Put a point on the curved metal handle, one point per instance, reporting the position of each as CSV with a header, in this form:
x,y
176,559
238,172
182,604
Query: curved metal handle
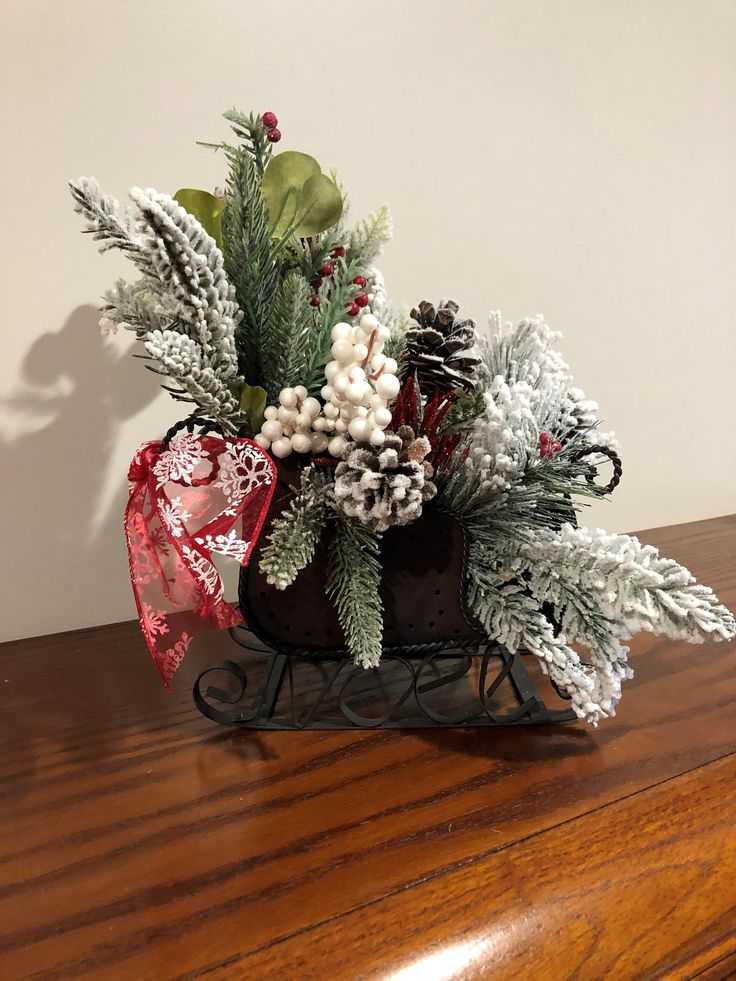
x,y
208,426
615,460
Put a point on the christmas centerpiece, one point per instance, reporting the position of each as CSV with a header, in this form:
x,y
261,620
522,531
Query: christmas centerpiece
x,y
402,481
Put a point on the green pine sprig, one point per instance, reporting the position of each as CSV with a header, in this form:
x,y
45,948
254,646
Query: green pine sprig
x,y
353,584
286,336
252,132
251,260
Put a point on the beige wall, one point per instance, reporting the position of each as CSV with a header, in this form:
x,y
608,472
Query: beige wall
x,y
574,157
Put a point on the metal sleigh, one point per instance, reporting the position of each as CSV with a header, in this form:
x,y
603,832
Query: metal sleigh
x,y
438,667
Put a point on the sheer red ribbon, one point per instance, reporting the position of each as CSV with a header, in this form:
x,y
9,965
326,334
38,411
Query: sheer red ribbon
x,y
200,495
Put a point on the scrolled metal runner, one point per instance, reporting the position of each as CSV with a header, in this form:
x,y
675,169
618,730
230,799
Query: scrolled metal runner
x,y
282,701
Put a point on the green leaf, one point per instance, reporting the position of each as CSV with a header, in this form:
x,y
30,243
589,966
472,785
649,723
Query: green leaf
x,y
253,404
320,205
298,196
205,207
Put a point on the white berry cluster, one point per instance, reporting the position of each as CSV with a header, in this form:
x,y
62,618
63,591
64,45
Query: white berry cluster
x,y
361,381
289,426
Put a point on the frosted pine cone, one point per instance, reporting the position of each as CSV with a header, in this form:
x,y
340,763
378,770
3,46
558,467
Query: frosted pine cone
x,y
386,485
438,348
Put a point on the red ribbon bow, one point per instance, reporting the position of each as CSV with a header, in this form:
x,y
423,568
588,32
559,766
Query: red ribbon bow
x,y
201,494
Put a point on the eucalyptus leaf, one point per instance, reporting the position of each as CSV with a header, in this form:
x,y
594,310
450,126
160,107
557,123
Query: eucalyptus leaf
x,y
299,198
206,208
320,205
253,405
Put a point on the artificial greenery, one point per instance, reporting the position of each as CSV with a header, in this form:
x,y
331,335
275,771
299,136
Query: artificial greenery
x,y
253,135
260,246
370,234
294,535
251,260
299,198
285,344
353,584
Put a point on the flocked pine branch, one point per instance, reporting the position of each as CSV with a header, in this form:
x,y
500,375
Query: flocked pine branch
x,y
575,610
353,582
369,235
629,582
511,616
251,260
602,588
138,307
190,267
528,383
295,533
102,216
183,309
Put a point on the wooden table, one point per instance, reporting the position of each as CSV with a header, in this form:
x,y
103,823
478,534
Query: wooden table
x,y
141,841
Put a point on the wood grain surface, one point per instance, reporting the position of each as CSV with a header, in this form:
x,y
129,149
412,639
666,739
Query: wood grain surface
x,y
141,841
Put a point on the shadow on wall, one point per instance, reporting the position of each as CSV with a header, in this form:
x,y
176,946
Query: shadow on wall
x,y
65,561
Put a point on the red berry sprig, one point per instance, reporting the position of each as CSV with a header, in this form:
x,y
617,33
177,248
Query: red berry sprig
x,y
326,269
361,301
270,121
316,283
353,309
315,301
360,281
338,252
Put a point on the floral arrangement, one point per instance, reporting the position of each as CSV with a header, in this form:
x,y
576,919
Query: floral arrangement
x,y
262,307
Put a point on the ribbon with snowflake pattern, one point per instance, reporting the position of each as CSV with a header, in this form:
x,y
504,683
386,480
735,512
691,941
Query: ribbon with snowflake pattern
x,y
199,495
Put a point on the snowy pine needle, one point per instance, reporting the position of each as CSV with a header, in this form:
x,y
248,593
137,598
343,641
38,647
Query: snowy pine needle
x,y
294,535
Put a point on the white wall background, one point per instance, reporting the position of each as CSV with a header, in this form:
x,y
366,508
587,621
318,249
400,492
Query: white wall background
x,y
570,157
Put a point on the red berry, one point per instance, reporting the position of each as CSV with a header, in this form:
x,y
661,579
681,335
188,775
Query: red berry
x,y
326,270
269,120
353,309
544,438
362,300
556,447
338,252
315,301
360,280
315,283
273,135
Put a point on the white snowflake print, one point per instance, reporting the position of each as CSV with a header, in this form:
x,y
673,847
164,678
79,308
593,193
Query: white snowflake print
x,y
205,572
173,516
228,544
170,659
179,460
153,622
242,468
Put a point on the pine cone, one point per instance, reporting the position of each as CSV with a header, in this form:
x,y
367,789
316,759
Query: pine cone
x,y
385,485
438,348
